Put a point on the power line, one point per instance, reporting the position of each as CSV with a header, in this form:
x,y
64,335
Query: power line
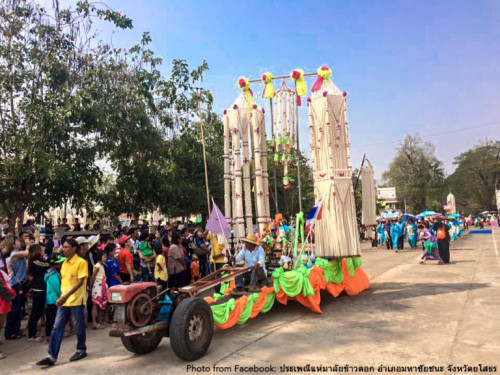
x,y
428,135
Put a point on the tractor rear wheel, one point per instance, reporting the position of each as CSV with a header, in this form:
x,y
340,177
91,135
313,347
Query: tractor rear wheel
x,y
191,329
143,343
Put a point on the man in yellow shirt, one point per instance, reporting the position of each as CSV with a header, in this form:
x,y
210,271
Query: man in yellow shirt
x,y
74,274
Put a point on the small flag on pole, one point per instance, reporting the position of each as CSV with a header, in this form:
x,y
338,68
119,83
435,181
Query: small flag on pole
x,y
313,215
217,223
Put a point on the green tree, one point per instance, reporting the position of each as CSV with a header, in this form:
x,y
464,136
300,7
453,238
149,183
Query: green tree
x,y
138,137
185,171
288,199
476,176
417,174
48,131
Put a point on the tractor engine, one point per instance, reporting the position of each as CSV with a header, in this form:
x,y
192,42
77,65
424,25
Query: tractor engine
x,y
133,305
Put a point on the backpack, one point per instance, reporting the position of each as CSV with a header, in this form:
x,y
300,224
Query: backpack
x,y
441,233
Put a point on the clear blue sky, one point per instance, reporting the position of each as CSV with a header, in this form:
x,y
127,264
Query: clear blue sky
x,y
408,66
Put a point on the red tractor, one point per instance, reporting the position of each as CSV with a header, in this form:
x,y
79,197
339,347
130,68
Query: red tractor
x,y
145,315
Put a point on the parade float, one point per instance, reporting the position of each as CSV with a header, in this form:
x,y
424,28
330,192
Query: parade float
x,y
298,270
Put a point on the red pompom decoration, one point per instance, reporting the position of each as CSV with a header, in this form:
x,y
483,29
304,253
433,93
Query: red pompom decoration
x,y
324,68
308,99
235,106
242,83
325,93
295,74
264,77
225,111
263,110
344,93
255,106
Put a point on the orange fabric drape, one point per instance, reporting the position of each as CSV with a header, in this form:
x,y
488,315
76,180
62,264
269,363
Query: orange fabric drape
x,y
209,300
355,285
259,304
312,302
234,315
352,286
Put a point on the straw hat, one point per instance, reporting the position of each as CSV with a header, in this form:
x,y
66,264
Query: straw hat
x,y
250,238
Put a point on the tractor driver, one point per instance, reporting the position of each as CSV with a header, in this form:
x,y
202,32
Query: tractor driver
x,y
253,255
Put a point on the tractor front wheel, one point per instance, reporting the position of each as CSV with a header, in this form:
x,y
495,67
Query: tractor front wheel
x,y
143,343
191,329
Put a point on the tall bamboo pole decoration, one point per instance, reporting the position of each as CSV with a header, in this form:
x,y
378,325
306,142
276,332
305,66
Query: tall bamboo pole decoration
x,y
227,172
274,166
297,150
204,152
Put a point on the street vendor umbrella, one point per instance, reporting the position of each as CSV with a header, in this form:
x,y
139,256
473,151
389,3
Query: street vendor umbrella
x,y
409,216
427,213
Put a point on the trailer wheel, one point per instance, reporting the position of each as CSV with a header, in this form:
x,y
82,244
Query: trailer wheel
x,y
191,329
143,343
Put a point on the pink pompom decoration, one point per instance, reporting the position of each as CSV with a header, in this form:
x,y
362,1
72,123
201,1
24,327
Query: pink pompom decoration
x,y
235,106
263,110
308,99
255,106
324,68
225,111
325,93
295,74
344,93
242,83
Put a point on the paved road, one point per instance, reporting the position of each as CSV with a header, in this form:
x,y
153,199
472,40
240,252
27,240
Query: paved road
x,y
412,315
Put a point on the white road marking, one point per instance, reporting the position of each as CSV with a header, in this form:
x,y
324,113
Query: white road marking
x,y
495,245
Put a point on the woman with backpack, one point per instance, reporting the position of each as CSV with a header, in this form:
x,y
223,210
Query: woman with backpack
x,y
443,240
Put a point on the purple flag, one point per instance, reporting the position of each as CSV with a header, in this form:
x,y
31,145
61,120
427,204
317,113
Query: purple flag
x,y
217,222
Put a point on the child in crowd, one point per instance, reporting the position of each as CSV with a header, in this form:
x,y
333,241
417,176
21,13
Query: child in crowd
x,y
147,253
111,266
161,275
52,280
195,274
99,296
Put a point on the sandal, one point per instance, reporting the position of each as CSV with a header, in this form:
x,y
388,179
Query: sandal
x,y
99,326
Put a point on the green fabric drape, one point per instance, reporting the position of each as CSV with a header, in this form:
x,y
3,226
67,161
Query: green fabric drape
x,y
221,312
332,271
293,282
357,262
269,303
247,311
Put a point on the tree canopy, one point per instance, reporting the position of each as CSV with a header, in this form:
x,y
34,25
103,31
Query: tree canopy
x,y
48,131
417,174
476,176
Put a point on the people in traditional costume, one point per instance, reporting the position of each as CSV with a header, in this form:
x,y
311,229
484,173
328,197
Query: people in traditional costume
x,y
387,232
412,234
429,241
380,234
395,234
402,232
